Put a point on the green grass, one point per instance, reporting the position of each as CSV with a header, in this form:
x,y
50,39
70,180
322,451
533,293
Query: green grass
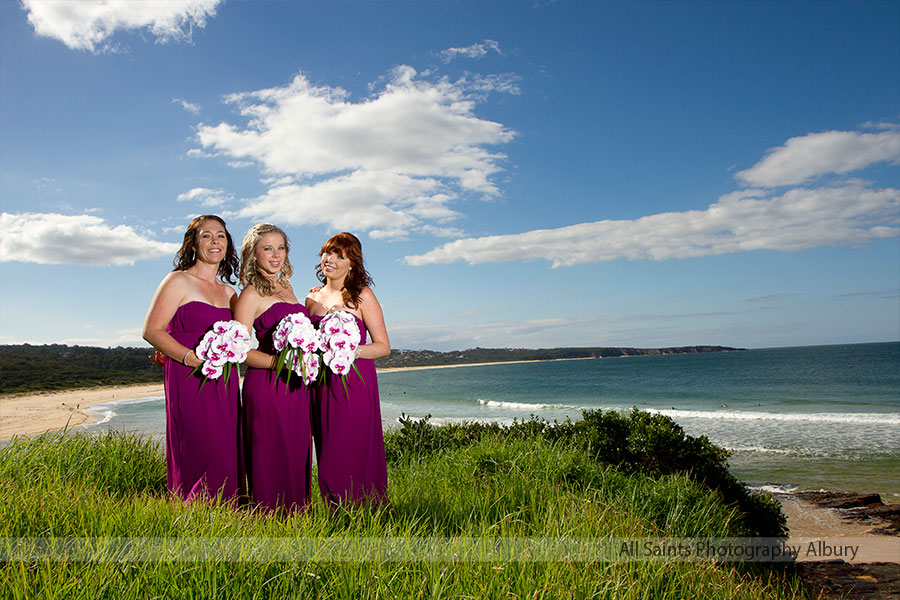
x,y
493,486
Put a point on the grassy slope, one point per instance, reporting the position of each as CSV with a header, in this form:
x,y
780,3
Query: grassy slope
x,y
491,485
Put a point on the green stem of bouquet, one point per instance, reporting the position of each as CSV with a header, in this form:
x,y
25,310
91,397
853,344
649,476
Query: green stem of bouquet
x,y
226,371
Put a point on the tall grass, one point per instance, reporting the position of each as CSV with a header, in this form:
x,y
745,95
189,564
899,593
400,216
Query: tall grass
x,y
113,486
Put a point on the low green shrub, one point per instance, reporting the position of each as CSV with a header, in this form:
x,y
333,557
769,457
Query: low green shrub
x,y
641,442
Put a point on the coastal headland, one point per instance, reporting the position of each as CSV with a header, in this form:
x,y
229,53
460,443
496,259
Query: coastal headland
x,y
860,526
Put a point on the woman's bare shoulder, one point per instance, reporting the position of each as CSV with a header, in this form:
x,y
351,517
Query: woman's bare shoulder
x,y
176,281
367,294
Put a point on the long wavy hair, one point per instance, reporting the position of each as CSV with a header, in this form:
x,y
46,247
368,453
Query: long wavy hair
x,y
186,257
348,246
250,272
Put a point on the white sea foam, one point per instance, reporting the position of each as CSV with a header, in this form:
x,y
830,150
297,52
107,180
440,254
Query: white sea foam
x,y
892,419
523,405
774,489
105,412
458,420
141,400
760,450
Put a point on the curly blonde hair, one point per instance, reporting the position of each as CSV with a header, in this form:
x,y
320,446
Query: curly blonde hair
x,y
250,273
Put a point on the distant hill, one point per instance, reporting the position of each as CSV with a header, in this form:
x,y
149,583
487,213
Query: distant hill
x,y
26,368
424,358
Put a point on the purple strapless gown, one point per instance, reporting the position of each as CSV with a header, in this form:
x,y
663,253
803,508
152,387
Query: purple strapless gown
x,y
348,435
277,427
202,432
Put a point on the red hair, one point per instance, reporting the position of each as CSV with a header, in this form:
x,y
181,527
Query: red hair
x,y
347,245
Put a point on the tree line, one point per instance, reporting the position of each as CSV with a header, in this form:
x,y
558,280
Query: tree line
x,y
28,368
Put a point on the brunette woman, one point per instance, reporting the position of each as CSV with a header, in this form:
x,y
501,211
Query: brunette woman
x,y
202,434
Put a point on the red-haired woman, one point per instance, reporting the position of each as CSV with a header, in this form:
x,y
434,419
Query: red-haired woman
x,y
347,421
202,432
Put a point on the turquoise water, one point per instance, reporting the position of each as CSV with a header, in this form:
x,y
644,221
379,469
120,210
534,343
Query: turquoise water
x,y
809,418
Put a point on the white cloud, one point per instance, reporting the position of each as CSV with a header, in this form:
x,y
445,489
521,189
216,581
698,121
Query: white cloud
x,y
128,338
188,106
359,200
205,197
738,222
389,164
48,238
806,157
478,50
87,24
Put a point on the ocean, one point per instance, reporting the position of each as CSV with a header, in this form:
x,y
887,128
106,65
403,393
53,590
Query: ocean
x,y
819,417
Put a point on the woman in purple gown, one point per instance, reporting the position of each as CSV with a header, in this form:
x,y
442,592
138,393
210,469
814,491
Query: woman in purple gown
x,y
277,426
202,433
347,421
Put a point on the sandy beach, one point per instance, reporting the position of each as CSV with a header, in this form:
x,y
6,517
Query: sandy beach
x,y
33,414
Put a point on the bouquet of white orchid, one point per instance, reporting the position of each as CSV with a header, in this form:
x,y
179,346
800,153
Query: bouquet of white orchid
x,y
298,342
340,341
226,344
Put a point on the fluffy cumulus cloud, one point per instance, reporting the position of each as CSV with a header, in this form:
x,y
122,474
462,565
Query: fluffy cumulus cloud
x,y
739,222
846,212
804,158
49,238
88,24
388,164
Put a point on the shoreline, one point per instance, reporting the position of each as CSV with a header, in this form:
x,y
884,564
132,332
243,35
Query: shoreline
x,y
36,413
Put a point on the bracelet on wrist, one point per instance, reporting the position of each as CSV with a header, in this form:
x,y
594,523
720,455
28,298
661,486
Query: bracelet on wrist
x,y
184,360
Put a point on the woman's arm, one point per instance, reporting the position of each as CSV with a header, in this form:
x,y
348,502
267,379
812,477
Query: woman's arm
x,y
171,291
246,309
372,316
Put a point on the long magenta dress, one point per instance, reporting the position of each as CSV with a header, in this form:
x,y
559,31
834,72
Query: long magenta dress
x,y
348,435
277,426
202,432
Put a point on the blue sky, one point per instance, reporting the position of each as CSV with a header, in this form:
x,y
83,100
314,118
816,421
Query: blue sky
x,y
521,174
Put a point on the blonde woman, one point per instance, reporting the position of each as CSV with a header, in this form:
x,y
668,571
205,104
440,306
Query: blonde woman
x,y
277,424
